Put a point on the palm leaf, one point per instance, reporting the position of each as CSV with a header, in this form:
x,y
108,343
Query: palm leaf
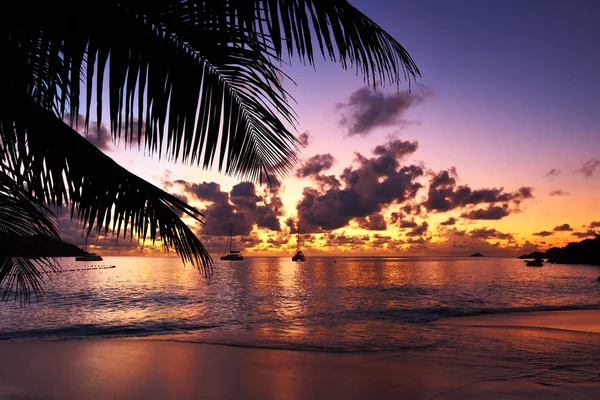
x,y
201,75
20,276
104,196
21,216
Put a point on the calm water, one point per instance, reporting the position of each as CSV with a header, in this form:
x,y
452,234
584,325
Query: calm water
x,y
354,304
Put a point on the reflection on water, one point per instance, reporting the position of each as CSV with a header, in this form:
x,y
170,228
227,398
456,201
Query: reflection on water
x,y
342,304
346,304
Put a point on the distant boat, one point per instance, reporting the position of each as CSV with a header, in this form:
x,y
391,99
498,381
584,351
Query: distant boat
x,y
89,257
299,256
233,255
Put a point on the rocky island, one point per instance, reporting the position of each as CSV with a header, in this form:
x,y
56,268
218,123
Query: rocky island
x,y
585,252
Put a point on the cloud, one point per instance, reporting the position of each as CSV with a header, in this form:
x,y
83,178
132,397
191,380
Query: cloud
x,y
315,165
455,242
405,223
553,173
485,233
342,239
589,167
589,233
563,228
367,109
374,222
364,189
243,207
418,230
559,193
445,195
305,138
449,221
595,224
492,212
543,233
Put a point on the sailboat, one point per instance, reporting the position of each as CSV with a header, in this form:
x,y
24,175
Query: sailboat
x,y
299,256
233,255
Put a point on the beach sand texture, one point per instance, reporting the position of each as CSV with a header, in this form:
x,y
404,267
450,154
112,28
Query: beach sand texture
x,y
153,369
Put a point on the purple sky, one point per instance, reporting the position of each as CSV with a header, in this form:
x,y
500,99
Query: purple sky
x,y
509,92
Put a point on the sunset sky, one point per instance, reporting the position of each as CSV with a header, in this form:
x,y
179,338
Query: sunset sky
x,y
496,149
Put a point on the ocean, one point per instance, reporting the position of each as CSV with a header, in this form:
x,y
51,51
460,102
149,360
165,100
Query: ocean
x,y
344,304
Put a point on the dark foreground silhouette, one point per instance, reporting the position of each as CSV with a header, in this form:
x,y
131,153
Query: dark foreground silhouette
x,y
37,246
585,252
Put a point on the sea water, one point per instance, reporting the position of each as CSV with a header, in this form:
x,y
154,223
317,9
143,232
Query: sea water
x,y
344,304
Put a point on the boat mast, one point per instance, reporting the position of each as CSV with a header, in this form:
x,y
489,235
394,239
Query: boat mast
x,y
298,238
230,238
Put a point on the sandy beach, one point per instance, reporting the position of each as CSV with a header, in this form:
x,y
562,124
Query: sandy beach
x,y
155,369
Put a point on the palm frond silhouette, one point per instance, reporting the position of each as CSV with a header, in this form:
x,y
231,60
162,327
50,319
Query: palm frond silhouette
x,y
199,82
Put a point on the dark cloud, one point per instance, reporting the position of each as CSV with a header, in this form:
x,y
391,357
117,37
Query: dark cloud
x,y
445,195
267,213
364,190
315,165
242,207
485,233
563,228
305,138
374,222
543,233
327,182
449,221
553,173
367,109
405,224
559,193
589,167
418,230
334,239
243,195
490,213
589,233
378,240
595,224
210,191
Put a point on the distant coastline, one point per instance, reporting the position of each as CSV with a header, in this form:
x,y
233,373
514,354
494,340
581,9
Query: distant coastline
x,y
585,252
37,246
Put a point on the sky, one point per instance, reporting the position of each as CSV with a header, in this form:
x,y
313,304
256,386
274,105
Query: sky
x,y
496,149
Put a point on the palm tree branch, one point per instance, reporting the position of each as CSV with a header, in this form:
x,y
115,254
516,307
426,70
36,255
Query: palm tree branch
x,y
104,196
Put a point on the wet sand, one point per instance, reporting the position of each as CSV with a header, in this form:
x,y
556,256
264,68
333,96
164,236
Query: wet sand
x,y
150,369
575,321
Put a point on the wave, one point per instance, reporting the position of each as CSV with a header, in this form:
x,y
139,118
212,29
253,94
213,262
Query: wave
x,y
425,315
410,320
95,330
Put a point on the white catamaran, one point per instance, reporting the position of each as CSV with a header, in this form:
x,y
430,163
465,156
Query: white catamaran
x,y
233,255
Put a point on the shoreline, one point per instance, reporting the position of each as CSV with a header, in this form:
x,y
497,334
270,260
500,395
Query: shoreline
x,y
132,370
580,321
143,368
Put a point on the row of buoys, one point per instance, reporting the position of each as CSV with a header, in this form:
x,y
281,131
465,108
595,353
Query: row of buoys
x,y
82,269
74,270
